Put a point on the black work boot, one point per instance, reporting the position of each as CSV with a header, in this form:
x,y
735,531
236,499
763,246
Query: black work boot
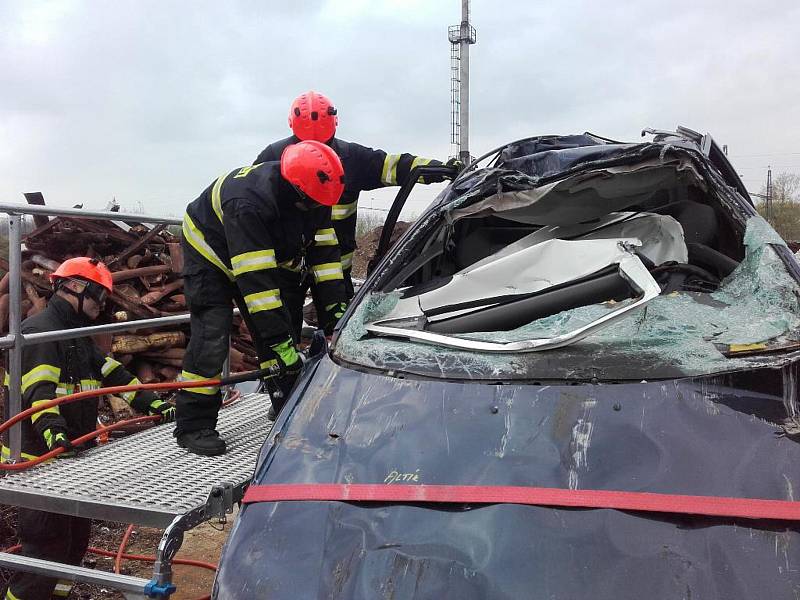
x,y
205,442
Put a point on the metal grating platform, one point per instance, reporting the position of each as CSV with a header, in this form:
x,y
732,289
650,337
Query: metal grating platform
x,y
145,478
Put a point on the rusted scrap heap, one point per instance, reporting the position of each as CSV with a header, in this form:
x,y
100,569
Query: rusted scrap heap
x,y
145,263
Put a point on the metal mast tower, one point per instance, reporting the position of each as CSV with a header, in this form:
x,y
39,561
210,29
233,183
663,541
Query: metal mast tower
x,y
460,37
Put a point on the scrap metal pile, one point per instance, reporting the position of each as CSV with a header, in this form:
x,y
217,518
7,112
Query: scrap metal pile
x,y
146,265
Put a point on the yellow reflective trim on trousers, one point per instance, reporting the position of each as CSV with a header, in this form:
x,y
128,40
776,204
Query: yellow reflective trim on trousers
x,y
5,454
6,379
216,198
53,410
389,171
327,272
206,391
108,366
195,237
325,237
10,596
40,373
340,212
266,300
257,260
347,261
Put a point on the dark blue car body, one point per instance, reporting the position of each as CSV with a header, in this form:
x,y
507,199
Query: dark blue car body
x,y
586,416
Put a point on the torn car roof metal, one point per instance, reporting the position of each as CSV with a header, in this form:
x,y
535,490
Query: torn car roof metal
x,y
593,256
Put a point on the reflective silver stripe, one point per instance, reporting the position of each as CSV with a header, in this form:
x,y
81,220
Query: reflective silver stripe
x,y
216,199
389,173
327,272
207,391
325,237
109,366
253,261
266,300
340,212
347,261
130,396
41,373
195,237
90,384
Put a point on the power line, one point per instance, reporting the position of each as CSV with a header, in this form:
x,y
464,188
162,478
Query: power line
x,y
765,154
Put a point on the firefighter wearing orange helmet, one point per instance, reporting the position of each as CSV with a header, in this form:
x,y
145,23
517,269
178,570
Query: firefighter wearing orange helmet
x,y
247,239
312,116
57,368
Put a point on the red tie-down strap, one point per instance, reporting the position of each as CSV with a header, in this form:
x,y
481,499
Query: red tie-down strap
x,y
713,506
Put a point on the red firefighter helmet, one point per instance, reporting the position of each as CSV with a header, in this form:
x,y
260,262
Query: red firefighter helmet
x,y
84,267
313,117
315,170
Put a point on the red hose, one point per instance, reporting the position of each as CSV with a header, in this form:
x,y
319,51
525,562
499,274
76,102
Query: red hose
x,y
120,555
121,551
119,389
84,438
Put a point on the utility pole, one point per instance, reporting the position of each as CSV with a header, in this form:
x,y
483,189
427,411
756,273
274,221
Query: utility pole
x,y
769,195
460,37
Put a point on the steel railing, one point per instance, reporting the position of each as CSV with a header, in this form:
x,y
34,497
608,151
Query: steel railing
x,y
15,341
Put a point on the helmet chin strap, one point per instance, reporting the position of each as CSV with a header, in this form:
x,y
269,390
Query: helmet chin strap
x,y
79,295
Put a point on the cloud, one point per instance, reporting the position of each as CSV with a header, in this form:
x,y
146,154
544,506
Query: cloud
x,y
149,101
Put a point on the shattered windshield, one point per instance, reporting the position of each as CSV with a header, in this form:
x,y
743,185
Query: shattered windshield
x,y
723,299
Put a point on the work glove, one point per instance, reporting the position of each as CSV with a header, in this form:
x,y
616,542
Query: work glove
x,y
453,162
56,437
164,409
291,365
333,312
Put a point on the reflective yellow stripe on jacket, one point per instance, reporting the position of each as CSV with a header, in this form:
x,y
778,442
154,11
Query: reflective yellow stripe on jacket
x,y
389,172
195,237
40,373
109,366
216,197
340,212
257,260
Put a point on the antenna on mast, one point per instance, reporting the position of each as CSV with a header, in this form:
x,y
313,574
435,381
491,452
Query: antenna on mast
x,y
461,37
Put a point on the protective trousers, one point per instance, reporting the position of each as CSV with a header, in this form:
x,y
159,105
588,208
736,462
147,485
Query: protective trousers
x,y
48,536
210,295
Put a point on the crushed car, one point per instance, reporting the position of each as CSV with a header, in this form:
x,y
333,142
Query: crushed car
x,y
572,314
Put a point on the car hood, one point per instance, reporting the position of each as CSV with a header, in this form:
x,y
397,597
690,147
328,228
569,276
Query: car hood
x,y
698,436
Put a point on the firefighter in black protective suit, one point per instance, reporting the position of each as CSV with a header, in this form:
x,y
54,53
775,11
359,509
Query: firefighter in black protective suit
x,y
50,370
312,116
250,238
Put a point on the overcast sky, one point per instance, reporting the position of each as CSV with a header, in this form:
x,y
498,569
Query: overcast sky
x,y
148,101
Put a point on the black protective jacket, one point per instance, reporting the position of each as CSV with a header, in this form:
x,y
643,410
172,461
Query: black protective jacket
x,y
364,169
53,369
247,224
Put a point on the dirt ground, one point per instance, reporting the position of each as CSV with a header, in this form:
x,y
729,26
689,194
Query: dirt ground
x,y
368,245
203,543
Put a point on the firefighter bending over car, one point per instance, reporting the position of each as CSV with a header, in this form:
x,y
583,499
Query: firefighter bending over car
x,y
58,368
250,238
312,116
